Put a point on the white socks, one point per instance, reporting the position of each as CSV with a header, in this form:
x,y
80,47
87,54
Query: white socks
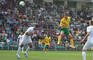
x,y
19,49
84,55
28,49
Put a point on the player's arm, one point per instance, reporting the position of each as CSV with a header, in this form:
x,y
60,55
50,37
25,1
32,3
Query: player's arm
x,y
18,39
26,33
49,39
45,39
85,37
69,18
62,23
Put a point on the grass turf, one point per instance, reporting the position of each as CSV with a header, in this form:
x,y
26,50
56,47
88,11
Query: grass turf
x,y
50,55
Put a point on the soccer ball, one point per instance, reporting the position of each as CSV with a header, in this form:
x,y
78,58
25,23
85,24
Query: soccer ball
x,y
22,3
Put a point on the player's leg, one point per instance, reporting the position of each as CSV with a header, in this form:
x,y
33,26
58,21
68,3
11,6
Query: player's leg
x,y
44,49
47,47
71,40
84,55
22,49
28,49
19,50
84,51
86,46
60,37
29,42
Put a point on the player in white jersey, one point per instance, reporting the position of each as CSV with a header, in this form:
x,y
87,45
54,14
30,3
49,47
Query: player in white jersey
x,y
89,42
26,40
19,40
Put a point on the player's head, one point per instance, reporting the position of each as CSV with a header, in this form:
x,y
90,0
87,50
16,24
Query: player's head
x,y
65,14
21,33
91,22
36,26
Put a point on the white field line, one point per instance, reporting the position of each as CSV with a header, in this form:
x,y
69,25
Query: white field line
x,y
76,54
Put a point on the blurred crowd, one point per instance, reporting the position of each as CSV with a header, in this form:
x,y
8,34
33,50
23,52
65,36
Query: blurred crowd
x,y
15,19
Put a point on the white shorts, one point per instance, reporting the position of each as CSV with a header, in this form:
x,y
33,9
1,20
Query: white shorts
x,y
20,41
25,40
87,45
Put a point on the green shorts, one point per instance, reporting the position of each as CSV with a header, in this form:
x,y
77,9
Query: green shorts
x,y
46,46
66,31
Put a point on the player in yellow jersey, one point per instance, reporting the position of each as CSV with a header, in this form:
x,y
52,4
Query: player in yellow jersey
x,y
47,43
64,25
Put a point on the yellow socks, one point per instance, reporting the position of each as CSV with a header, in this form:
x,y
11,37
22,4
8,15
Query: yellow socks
x,y
59,38
72,43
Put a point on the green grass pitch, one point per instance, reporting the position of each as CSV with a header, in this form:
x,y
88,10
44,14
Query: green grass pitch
x,y
50,55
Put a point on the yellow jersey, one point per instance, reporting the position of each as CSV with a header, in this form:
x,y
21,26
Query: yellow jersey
x,y
65,22
47,40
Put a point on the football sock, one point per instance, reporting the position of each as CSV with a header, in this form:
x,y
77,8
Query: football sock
x,y
59,38
84,55
72,43
19,50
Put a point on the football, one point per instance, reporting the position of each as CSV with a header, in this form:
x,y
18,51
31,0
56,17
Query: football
x,y
22,3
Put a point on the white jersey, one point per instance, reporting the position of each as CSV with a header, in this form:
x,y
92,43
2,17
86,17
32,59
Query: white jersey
x,y
27,38
90,29
89,42
20,38
30,30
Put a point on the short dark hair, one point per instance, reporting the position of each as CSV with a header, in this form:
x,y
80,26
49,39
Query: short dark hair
x,y
92,22
36,26
66,13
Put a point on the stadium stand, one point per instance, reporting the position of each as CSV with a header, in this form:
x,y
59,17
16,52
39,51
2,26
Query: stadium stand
x,y
15,19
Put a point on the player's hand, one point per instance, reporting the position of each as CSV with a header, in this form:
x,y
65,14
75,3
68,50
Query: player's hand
x,y
63,25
